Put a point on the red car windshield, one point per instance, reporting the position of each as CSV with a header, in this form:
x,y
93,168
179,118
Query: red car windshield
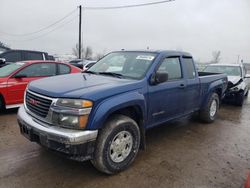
x,y
8,69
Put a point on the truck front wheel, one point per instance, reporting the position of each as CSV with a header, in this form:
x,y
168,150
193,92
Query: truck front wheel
x,y
117,145
209,113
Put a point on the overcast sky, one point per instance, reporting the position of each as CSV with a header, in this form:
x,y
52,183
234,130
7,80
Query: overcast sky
x,y
197,26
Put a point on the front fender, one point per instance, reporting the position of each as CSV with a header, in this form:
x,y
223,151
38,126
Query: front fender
x,y
242,86
114,103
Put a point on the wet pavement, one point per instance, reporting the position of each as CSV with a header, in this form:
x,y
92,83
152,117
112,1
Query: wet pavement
x,y
183,154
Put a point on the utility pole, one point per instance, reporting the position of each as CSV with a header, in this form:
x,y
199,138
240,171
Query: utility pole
x,y
80,32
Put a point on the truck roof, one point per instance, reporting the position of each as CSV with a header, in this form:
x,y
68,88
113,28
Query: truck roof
x,y
167,52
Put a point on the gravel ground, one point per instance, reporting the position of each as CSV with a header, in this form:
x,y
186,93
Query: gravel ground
x,y
180,154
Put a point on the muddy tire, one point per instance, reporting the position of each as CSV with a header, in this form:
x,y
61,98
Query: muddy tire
x,y
209,113
239,99
117,145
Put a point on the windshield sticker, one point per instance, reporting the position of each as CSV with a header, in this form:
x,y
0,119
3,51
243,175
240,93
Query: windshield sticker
x,y
145,57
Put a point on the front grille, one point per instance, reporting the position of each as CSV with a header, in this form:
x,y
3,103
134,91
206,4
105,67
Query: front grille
x,y
37,104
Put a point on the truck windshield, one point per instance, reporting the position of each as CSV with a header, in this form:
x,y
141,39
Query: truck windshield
x,y
228,70
124,64
8,69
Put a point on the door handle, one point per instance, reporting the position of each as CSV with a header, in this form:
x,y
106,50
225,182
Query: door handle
x,y
182,86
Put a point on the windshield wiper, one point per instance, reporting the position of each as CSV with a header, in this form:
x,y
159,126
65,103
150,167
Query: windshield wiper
x,y
112,74
90,72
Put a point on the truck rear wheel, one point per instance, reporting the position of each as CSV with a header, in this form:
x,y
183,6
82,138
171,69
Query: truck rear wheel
x,y
117,145
209,113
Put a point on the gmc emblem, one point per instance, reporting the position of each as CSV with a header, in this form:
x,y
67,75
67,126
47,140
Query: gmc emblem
x,y
33,102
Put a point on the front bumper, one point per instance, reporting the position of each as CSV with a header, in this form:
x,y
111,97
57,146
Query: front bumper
x,y
232,94
76,144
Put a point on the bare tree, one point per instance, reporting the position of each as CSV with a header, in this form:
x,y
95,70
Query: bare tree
x,y
86,53
216,57
75,50
99,56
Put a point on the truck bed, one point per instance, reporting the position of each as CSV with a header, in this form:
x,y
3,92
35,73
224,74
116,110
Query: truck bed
x,y
207,73
209,77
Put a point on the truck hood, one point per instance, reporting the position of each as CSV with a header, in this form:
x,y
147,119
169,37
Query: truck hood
x,y
234,79
83,85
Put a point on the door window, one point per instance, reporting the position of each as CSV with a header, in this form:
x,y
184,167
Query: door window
x,y
172,67
191,73
64,69
39,70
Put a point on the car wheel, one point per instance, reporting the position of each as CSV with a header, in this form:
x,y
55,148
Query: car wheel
x,y
117,145
209,113
239,99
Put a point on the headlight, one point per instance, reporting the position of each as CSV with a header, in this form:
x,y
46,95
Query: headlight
x,y
70,121
74,103
71,113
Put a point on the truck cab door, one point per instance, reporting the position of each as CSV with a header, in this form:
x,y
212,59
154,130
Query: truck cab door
x,y
192,90
165,100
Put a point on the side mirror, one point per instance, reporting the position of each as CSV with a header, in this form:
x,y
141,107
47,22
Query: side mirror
x,y
159,77
20,76
2,60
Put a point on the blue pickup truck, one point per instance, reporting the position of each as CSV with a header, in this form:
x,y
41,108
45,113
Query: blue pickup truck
x,y
102,114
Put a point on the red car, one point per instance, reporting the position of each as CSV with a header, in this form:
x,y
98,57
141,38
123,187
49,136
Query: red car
x,y
15,77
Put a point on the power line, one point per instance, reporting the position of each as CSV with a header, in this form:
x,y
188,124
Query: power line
x,y
58,27
70,13
42,29
128,6
44,34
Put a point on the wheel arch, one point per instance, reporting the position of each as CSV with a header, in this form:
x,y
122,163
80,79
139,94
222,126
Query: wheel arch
x,y
214,87
135,113
135,108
